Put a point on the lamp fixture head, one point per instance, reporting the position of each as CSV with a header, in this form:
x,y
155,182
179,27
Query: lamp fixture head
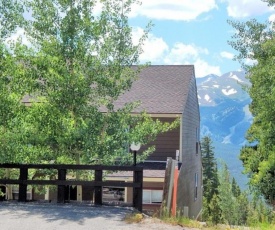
x,y
135,146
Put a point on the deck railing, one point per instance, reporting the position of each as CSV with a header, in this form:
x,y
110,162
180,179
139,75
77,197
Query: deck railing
x,y
61,181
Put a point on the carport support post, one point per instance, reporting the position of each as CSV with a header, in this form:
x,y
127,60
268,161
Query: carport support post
x,y
61,188
98,189
22,186
137,191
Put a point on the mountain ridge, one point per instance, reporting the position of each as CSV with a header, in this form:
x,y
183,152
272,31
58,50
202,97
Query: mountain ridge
x,y
224,106
225,117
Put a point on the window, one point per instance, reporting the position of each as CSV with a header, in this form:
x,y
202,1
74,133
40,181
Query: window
x,y
197,140
196,186
152,196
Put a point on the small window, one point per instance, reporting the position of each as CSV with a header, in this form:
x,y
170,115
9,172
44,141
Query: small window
x,y
196,186
197,140
152,196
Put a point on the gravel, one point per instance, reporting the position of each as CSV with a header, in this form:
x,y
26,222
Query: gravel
x,y
50,216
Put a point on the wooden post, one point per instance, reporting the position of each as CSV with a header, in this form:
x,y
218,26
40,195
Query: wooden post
x,y
47,194
61,188
166,182
22,186
137,192
78,187
98,189
175,189
9,195
171,184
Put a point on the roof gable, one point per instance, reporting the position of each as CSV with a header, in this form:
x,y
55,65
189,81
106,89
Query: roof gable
x,y
161,89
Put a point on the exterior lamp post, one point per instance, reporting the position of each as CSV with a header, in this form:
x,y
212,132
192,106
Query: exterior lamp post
x,y
135,147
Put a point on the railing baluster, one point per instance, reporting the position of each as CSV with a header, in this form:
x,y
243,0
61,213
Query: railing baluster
x,y
61,188
98,189
22,197
137,192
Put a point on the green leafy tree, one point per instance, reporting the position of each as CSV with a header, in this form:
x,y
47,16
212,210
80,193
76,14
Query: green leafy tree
x,y
10,17
255,41
78,63
11,108
259,212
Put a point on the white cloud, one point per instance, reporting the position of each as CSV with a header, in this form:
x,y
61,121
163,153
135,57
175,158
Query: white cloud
x,y
272,18
246,8
227,55
180,10
203,68
18,35
191,54
181,52
184,10
157,51
250,62
153,48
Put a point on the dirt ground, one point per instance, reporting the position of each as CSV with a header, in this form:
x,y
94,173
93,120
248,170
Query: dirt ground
x,y
50,216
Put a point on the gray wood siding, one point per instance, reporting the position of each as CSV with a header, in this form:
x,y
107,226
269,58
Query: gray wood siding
x,y
191,161
166,144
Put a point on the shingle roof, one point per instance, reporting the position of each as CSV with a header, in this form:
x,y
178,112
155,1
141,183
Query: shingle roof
x,y
161,89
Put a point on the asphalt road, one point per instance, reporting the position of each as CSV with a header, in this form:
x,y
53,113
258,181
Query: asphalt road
x,y
50,216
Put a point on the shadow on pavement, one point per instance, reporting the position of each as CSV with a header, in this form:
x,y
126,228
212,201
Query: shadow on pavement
x,y
76,212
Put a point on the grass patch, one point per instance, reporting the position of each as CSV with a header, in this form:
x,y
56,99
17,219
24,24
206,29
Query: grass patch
x,y
186,222
180,220
263,226
133,218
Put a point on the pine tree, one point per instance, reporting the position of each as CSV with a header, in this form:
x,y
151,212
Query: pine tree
x,y
215,210
211,210
228,202
242,210
235,188
210,172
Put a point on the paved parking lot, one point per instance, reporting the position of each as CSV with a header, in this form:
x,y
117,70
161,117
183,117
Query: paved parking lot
x,y
50,216
28,216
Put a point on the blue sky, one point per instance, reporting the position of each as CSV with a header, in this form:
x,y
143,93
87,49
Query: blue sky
x,y
194,31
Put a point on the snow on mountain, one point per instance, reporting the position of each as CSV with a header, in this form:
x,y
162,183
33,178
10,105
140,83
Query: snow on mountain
x,y
224,107
229,92
234,76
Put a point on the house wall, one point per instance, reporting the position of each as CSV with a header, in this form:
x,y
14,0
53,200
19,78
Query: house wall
x,y
191,160
147,208
146,185
153,207
166,144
